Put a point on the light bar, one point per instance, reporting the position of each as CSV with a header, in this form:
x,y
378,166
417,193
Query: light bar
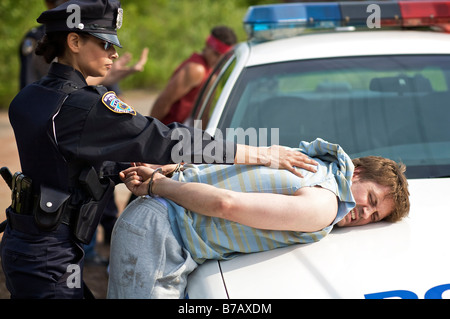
x,y
356,13
269,22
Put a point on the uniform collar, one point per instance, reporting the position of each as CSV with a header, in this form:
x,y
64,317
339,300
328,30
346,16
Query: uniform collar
x,y
68,73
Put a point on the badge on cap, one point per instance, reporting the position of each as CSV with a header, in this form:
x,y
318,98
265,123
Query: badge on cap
x,y
119,19
113,103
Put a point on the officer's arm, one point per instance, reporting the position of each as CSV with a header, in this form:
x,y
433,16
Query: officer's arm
x,y
104,134
101,134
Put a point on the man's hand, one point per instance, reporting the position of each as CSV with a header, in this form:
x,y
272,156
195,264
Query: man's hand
x,y
121,70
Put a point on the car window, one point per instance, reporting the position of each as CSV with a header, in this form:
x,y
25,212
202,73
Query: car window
x,y
392,106
210,93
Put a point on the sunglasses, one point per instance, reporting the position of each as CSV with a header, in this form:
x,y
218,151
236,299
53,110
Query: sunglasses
x,y
107,45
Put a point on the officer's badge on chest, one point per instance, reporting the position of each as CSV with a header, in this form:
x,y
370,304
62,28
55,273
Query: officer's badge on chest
x,y
116,105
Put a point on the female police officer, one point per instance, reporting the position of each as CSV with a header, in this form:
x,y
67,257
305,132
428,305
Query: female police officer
x,y
65,131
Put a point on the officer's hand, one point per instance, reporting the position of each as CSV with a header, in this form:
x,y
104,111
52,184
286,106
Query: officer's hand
x,y
274,156
282,158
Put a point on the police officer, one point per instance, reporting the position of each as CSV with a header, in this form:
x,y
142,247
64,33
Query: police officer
x,y
33,67
66,133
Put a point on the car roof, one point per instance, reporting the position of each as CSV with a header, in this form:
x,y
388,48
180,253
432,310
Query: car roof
x,y
350,43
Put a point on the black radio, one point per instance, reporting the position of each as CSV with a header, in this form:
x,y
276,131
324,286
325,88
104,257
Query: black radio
x,y
22,194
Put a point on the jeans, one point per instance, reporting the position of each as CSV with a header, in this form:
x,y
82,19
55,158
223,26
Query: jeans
x,y
146,260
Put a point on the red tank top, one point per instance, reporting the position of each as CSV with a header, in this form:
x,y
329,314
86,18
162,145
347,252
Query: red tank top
x,y
181,109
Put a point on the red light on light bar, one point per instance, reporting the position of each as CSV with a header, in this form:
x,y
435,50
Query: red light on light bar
x,y
445,28
421,13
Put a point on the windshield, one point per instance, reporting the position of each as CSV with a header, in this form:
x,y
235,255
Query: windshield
x,y
392,106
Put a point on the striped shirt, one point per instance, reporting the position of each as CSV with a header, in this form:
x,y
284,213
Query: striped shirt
x,y
215,238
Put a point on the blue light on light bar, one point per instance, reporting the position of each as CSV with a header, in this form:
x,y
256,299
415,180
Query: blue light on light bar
x,y
321,13
268,22
272,14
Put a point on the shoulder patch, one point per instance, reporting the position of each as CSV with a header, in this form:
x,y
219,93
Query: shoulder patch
x,y
116,105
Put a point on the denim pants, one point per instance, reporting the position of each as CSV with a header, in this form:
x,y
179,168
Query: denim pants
x,y
146,260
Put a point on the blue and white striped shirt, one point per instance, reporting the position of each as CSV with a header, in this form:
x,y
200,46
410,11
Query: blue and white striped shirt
x,y
215,238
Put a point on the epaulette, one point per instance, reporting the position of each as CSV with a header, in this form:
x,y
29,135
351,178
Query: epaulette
x,y
100,89
69,87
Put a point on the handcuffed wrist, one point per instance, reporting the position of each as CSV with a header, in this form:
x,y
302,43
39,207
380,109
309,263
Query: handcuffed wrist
x,y
150,183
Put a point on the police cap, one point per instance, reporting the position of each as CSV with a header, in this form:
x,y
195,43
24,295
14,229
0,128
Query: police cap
x,y
100,18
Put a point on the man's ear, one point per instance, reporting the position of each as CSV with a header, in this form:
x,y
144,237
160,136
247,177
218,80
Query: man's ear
x,y
356,173
74,42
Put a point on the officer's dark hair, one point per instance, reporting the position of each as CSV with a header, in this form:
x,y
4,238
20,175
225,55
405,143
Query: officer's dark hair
x,y
53,44
224,34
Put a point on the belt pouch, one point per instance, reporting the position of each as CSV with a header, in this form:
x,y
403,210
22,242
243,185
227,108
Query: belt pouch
x,y
50,208
90,214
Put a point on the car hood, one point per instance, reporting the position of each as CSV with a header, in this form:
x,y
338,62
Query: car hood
x,y
407,259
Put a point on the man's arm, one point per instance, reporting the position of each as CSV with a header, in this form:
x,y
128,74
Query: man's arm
x,y
310,209
190,76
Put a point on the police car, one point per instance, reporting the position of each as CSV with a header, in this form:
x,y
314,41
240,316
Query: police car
x,y
373,77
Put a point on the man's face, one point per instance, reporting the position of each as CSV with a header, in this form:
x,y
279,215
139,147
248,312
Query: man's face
x,y
372,203
212,57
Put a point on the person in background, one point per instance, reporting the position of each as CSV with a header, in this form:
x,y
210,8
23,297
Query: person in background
x,y
175,102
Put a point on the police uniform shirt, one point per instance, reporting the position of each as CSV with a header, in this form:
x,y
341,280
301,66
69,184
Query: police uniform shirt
x,y
94,125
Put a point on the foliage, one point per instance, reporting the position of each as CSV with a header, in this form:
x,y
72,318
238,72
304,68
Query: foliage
x,y
15,21
171,29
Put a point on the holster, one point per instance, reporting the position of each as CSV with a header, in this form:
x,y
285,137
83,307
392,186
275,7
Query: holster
x,y
90,213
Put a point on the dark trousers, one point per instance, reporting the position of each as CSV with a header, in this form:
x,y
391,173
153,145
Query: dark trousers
x,y
39,264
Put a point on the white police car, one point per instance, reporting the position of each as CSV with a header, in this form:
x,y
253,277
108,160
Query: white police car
x,y
373,77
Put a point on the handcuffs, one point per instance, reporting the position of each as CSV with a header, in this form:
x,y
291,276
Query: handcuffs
x,y
159,170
